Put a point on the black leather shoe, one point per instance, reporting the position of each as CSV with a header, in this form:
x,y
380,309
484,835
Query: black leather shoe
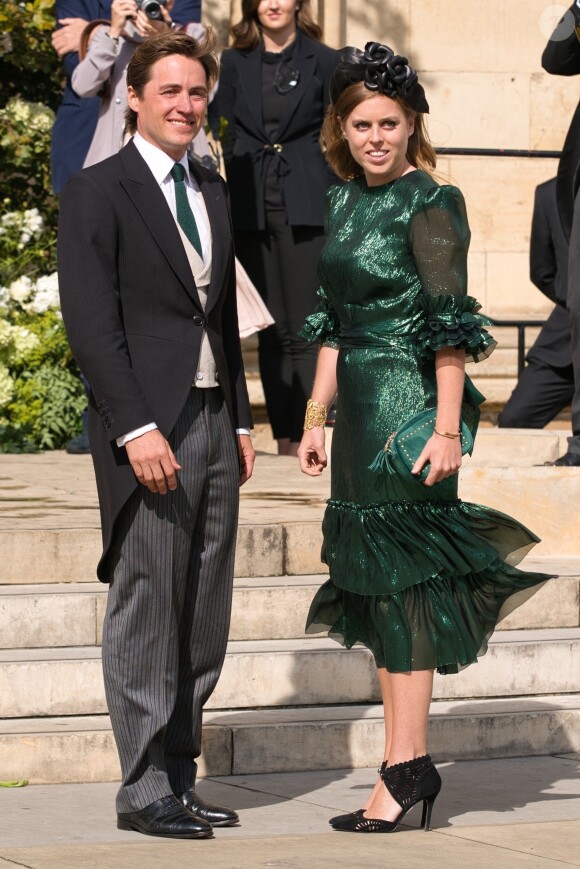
x,y
568,460
78,446
217,816
167,818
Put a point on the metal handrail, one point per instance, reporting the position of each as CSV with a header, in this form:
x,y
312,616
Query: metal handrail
x,y
496,152
521,326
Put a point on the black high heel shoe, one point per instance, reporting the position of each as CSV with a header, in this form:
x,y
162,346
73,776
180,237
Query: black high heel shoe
x,y
408,783
341,818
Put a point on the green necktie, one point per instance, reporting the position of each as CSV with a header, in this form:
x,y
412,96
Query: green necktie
x,y
185,216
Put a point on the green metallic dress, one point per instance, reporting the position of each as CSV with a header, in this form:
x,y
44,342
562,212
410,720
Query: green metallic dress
x,y
416,575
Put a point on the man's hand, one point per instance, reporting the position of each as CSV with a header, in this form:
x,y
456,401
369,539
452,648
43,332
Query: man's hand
x,y
311,452
247,457
153,462
68,37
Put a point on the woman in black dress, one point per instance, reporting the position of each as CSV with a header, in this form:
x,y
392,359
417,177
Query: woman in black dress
x,y
271,102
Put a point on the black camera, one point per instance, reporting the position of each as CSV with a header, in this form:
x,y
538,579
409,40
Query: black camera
x,y
152,8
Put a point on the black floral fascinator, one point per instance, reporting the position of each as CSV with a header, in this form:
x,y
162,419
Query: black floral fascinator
x,y
382,71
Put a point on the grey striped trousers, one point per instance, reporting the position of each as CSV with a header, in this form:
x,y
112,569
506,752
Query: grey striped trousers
x,y
168,610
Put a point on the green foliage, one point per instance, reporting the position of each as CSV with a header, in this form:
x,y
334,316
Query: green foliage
x,y
25,131
32,84
27,245
30,66
41,396
46,409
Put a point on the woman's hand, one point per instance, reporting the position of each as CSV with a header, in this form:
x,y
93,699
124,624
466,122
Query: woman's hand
x,y
120,11
311,452
444,456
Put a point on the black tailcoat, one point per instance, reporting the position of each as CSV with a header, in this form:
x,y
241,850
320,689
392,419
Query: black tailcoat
x,y
133,314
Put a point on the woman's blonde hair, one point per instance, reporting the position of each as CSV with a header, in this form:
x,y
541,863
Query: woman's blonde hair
x,y
246,32
420,151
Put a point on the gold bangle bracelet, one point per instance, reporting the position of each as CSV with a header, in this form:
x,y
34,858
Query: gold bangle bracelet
x,y
448,434
315,414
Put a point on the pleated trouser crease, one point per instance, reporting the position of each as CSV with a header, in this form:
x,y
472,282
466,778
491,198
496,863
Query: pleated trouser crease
x,y
169,604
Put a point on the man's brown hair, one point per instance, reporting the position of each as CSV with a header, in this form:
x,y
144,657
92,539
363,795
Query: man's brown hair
x,y
165,45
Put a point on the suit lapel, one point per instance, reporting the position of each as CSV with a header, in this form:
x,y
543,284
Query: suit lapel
x,y
151,204
304,61
251,79
213,195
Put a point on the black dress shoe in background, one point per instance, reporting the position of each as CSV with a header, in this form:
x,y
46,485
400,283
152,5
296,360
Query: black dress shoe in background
x,y
568,460
217,816
78,446
167,818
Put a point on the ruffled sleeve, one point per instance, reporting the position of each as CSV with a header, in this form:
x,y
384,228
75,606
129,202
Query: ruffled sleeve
x,y
439,238
322,327
453,321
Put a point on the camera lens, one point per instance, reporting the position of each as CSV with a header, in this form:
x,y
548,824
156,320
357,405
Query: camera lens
x,y
151,8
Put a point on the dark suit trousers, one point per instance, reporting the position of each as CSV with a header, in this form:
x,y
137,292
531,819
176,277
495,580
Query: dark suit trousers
x,y
573,303
281,262
169,604
541,392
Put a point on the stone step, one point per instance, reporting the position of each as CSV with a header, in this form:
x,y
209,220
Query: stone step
x,y
82,749
274,673
539,497
264,608
512,447
276,548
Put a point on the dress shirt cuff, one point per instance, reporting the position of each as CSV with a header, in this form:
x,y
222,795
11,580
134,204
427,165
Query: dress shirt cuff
x,y
136,433
245,431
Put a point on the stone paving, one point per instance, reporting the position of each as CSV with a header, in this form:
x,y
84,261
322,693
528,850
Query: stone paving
x,y
55,490
523,812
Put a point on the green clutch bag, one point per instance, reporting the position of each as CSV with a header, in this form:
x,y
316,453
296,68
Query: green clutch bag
x,y
404,446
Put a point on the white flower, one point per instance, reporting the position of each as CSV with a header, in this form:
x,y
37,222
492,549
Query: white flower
x,y
27,223
23,342
6,386
5,335
20,290
33,116
4,299
31,225
44,295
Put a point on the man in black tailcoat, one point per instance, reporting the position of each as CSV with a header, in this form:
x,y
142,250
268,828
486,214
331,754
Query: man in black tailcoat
x,y
147,280
546,384
562,57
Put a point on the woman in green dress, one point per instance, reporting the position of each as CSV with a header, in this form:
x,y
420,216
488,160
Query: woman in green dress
x,y
416,575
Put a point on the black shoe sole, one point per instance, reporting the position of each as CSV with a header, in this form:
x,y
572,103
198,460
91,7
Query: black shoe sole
x,y
223,823
135,828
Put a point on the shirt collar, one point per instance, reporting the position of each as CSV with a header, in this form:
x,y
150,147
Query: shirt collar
x,y
158,161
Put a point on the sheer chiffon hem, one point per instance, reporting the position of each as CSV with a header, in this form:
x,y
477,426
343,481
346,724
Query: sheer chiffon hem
x,y
420,584
442,624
